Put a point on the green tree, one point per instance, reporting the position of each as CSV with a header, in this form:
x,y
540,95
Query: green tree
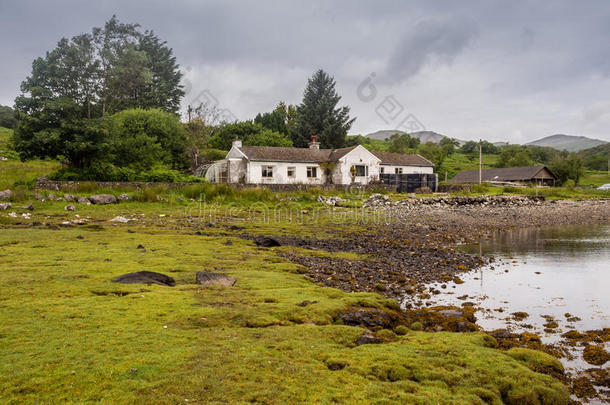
x,y
473,147
7,117
249,133
85,77
402,143
434,153
143,139
575,167
319,115
275,121
514,156
449,145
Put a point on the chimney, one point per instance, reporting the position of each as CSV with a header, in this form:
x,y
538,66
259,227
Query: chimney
x,y
237,143
314,144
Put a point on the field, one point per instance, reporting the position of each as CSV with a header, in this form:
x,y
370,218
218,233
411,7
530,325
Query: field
x,y
71,335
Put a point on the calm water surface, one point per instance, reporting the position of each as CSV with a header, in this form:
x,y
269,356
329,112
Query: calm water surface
x,y
544,272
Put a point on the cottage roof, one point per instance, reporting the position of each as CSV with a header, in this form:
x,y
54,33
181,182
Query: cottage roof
x,y
401,159
504,174
307,155
284,154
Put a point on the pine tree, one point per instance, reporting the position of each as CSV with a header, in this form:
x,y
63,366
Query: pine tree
x,y
319,115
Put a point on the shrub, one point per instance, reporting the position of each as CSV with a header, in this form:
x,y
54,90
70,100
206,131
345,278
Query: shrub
x,y
108,172
536,360
401,330
417,326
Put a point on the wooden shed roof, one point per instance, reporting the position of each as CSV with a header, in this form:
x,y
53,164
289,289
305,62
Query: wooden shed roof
x,y
523,173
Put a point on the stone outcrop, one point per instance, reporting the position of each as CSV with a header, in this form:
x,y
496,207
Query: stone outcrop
x,y
205,278
145,277
6,194
102,199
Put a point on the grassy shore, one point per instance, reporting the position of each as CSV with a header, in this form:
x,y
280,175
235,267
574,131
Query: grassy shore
x,y
70,334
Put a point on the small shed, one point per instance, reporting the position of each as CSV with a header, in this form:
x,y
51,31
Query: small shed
x,y
539,175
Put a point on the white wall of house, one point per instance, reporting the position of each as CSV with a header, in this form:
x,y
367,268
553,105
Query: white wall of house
x,y
359,156
389,169
236,168
280,173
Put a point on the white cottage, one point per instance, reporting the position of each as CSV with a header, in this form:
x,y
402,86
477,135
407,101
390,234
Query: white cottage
x,y
280,165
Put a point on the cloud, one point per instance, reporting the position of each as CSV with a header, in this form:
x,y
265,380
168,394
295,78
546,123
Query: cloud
x,y
428,43
475,69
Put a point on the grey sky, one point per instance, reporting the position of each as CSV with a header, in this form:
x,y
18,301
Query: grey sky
x,y
500,70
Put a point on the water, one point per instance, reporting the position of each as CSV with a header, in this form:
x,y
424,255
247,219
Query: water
x,y
547,273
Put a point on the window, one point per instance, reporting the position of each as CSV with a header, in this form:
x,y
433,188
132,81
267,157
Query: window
x,y
362,171
312,171
291,171
267,171
398,170
381,169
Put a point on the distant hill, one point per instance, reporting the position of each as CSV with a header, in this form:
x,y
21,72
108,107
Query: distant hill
x,y
423,136
603,150
383,134
570,143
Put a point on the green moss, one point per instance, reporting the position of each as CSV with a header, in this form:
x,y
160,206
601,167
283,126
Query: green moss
x,y
401,330
417,326
71,335
537,361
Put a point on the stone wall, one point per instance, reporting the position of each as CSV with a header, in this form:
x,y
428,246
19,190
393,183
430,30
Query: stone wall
x,y
46,184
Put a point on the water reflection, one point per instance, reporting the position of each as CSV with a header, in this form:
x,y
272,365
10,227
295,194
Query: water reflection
x,y
566,241
555,273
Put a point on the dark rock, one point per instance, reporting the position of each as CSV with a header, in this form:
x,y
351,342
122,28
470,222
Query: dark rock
x,y
306,302
70,207
101,199
368,317
205,278
28,207
456,313
368,338
145,277
265,241
140,247
501,334
228,243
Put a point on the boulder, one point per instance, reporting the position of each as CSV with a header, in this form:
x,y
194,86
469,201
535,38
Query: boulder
x,y
124,197
121,219
6,194
265,241
456,313
28,207
70,197
205,278
39,197
69,207
145,277
369,318
84,200
101,199
368,338
5,206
